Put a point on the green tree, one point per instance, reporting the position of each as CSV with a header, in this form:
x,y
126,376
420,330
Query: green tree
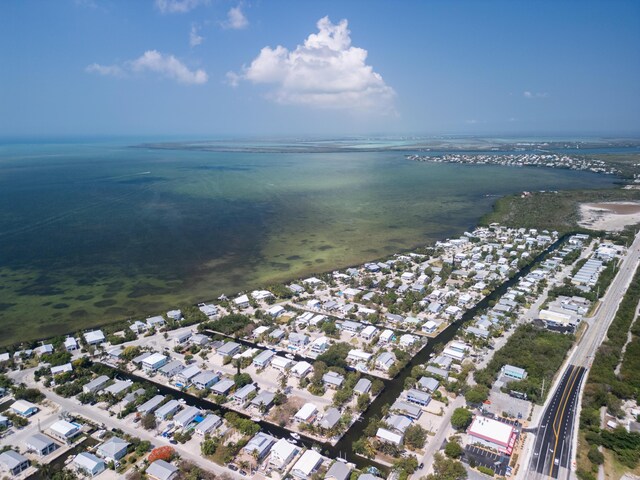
x,y
363,402
461,418
447,469
415,436
148,422
476,394
453,449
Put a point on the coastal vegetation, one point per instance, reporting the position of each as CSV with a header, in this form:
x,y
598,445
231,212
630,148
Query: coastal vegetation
x,y
606,388
540,352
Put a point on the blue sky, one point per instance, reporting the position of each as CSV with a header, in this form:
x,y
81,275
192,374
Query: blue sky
x,y
216,67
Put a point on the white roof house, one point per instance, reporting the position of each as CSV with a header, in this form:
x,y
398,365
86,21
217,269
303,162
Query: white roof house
x,y
242,301
89,464
154,361
94,337
281,363
40,444
308,463
282,453
64,430
161,470
13,462
58,369
186,416
95,384
70,344
357,355
210,422
389,436
24,408
113,449
306,413
301,369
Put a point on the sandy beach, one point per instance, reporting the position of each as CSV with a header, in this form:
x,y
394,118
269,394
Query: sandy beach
x,y
610,216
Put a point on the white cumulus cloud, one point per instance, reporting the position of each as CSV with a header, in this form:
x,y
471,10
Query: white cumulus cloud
x,y
236,20
178,6
324,72
195,38
528,94
153,61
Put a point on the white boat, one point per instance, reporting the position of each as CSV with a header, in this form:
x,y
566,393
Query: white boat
x,y
343,460
295,435
289,356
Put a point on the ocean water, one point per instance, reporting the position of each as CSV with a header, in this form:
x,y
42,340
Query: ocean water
x,y
98,232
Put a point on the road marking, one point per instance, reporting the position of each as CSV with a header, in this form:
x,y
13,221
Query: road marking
x,y
555,446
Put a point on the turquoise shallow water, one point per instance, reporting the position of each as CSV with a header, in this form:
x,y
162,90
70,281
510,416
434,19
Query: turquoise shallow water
x,y
94,232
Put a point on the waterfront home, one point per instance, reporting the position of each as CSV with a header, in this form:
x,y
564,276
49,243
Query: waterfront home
x,y
186,375
13,462
223,387
398,423
338,471
171,369
386,336
161,470
150,405
350,326
264,399
154,361
412,411
442,362
175,315
314,304
296,289
242,395
298,340
118,387
261,295
138,327
368,332
330,419
242,301
388,436
261,444
332,380
263,359
385,360
430,326
155,322
168,409
204,380
418,397
277,335
282,453
94,337
363,386
301,369
478,332
113,449
407,340
428,384
186,416
259,331
320,345
209,310
211,422
88,464
306,414
281,364
40,444
70,344
96,384
357,355
307,465
228,349
394,318
23,408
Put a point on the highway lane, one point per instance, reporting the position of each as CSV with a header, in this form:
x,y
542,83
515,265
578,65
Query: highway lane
x,y
553,442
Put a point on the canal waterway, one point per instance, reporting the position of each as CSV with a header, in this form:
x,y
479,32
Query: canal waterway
x,y
392,391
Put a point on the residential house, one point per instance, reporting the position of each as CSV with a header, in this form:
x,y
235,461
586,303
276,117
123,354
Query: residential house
x,y
70,344
161,470
113,449
187,375
428,384
88,464
40,444
418,397
368,332
385,360
155,322
363,386
338,471
13,462
186,416
210,422
264,399
223,387
154,362
228,349
168,409
242,395
23,408
263,359
306,414
298,340
330,419
204,380
281,364
320,345
150,405
388,436
301,369
96,384
307,465
242,301
261,444
282,453
332,380
386,336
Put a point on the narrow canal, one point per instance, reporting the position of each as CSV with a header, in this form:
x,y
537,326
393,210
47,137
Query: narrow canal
x,y
393,388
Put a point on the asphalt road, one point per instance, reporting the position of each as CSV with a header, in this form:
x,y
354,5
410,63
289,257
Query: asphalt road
x,y
552,449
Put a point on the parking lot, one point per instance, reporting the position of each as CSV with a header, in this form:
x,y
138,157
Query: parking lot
x,y
503,402
496,462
